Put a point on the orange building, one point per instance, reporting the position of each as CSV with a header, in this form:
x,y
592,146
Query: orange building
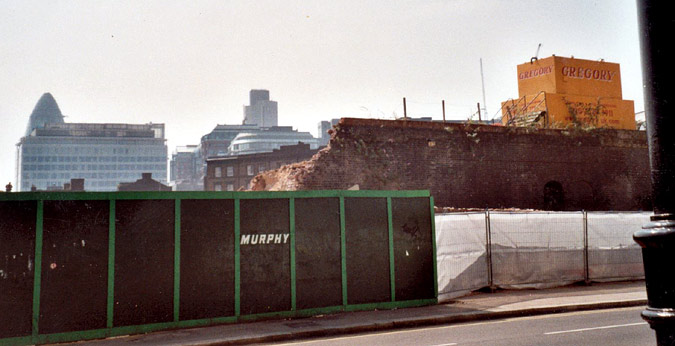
x,y
558,91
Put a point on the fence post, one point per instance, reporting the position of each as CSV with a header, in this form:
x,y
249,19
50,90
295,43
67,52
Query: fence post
x,y
587,278
176,260
343,252
110,308
237,258
37,267
291,228
488,248
392,264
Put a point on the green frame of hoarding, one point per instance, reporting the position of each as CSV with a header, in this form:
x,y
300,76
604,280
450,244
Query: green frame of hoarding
x,y
112,197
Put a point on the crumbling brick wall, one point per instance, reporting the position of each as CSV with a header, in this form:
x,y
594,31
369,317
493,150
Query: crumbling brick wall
x,y
480,166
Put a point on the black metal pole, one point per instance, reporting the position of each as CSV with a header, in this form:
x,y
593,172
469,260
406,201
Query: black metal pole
x,y
405,110
443,104
657,238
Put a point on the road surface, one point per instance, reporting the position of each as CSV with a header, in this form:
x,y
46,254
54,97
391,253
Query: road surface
x,y
599,327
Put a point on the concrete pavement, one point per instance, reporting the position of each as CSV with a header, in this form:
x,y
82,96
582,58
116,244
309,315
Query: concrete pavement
x,y
475,307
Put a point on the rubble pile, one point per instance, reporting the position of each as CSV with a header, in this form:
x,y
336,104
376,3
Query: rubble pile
x,y
285,178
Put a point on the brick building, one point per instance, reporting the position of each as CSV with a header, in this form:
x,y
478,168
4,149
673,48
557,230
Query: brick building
x,y
184,169
229,173
146,183
479,166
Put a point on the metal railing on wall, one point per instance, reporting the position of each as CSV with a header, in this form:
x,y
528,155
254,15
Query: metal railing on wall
x,y
535,249
91,265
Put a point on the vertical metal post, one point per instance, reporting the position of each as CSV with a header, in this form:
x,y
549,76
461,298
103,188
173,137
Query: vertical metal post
x,y
37,274
488,248
343,252
237,259
434,250
110,308
405,110
392,264
443,104
657,238
291,226
587,278
478,106
176,261
482,83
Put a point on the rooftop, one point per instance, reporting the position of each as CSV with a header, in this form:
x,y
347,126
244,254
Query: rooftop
x,y
46,111
100,130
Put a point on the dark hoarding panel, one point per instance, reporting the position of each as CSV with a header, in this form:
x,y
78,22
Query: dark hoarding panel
x,y
144,262
145,292
17,256
265,256
367,241
206,259
317,252
73,294
413,248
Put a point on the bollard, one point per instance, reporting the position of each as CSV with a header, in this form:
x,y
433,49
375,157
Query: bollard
x,y
657,238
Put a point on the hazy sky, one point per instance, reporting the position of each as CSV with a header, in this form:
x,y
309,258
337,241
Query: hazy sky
x,y
191,64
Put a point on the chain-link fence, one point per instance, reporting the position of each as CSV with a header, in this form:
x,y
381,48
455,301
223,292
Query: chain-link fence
x,y
535,249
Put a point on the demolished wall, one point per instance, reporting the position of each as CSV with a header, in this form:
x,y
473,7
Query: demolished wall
x,y
479,166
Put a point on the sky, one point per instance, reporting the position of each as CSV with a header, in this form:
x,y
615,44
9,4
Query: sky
x,y
191,64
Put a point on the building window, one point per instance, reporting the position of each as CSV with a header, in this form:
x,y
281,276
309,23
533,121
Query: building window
x,y
249,170
218,187
261,168
230,187
219,172
230,171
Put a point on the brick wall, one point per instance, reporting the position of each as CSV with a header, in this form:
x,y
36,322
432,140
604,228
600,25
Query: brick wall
x,y
479,166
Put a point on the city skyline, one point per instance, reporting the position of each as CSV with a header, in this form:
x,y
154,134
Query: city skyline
x,y
191,65
54,152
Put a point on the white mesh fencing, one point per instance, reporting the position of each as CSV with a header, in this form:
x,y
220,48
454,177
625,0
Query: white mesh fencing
x,y
535,249
461,253
539,249
612,253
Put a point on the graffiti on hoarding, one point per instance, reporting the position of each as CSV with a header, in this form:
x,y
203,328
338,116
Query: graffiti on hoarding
x,y
591,113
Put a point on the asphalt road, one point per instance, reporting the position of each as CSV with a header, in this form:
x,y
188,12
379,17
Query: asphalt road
x,y
599,327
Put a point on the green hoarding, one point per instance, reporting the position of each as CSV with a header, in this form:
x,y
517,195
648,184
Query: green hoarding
x,y
86,265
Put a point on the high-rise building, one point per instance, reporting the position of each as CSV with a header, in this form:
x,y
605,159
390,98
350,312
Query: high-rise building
x,y
261,112
212,144
53,152
216,142
256,95
184,170
323,135
259,133
46,111
269,139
